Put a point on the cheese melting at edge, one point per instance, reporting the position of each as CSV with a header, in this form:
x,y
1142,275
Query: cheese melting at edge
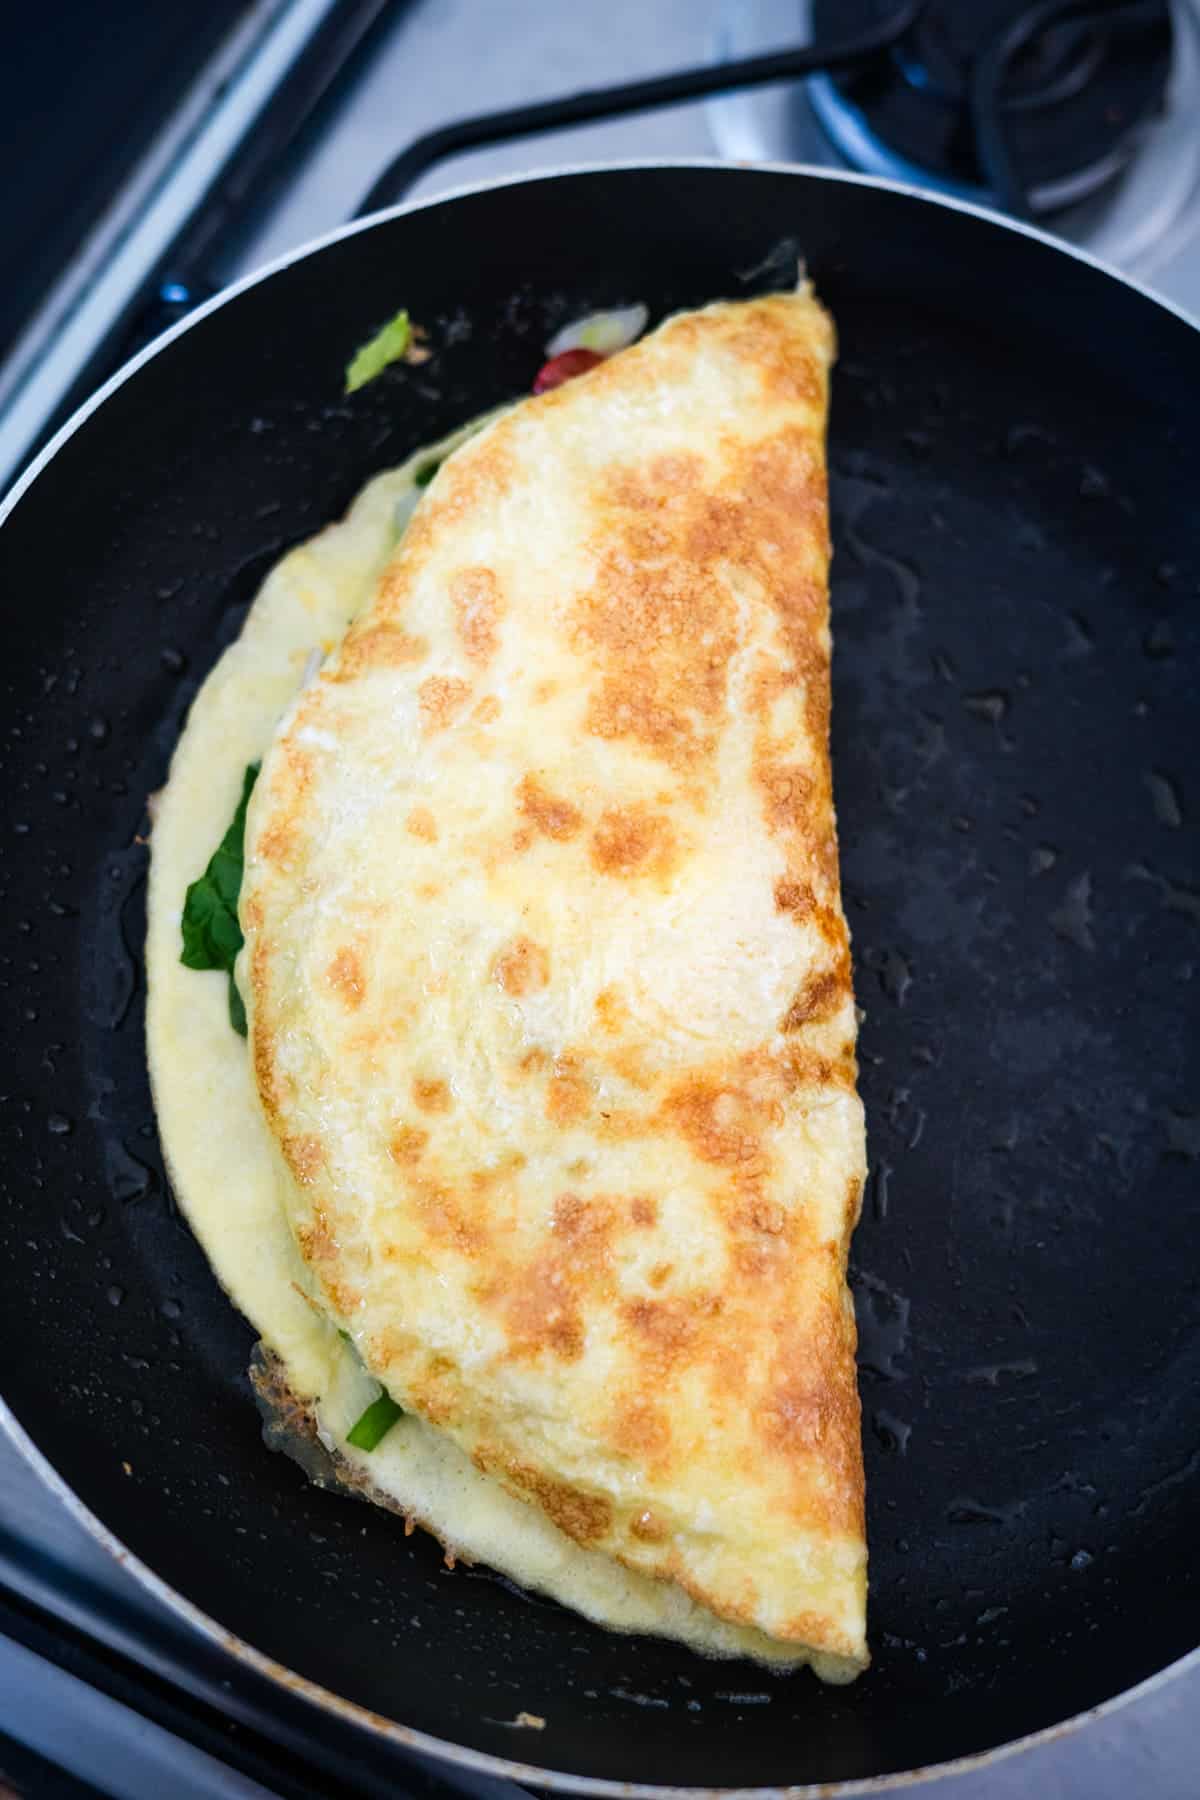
x,y
221,1158
549,982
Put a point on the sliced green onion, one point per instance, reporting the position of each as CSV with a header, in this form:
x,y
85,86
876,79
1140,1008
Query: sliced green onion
x,y
387,346
370,1429
425,475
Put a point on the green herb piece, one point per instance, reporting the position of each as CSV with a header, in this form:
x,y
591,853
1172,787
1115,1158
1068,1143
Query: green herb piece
x,y
387,346
425,475
212,936
237,1008
370,1429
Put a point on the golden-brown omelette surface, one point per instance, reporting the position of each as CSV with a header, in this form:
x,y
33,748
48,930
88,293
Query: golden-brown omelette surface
x,y
550,996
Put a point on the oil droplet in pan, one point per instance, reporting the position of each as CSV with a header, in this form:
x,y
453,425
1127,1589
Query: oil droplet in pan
x,y
992,705
1164,796
892,1433
967,1511
992,1374
883,1325
129,1178
1183,1135
895,974
1159,641
1174,897
1072,920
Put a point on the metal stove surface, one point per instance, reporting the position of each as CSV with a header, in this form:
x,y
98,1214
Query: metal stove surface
x,y
440,60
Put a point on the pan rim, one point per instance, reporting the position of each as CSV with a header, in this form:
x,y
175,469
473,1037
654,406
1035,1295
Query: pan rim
x,y
806,171
482,1762
408,1737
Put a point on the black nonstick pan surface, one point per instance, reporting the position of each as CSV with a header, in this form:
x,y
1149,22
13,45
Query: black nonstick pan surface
x,y
1015,453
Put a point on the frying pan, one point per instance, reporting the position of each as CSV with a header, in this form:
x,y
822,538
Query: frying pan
x,y
1014,453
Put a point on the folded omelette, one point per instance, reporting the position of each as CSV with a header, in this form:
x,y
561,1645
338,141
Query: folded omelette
x,y
545,1138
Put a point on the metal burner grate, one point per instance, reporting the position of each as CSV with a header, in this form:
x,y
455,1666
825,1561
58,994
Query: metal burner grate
x,y
1119,146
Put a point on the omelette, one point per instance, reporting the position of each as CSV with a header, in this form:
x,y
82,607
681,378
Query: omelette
x,y
537,1169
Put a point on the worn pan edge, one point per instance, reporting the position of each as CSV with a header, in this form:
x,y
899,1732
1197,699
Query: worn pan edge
x,y
443,1750
807,171
404,1736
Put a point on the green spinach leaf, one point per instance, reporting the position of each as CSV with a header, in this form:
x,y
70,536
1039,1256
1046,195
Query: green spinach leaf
x,y
212,936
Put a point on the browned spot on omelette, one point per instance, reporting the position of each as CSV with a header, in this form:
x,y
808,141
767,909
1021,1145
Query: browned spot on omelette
x,y
385,645
305,1155
453,1219
539,1298
583,1516
632,840
642,1429
821,995
547,812
275,844
649,1527
663,625
431,1094
661,635
478,603
810,1419
521,967
611,1012
441,696
568,1096
408,1144
720,1119
795,897
787,795
666,1328
345,976
435,1391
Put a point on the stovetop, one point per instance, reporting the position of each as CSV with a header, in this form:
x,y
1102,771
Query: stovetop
x,y
102,1688
1145,219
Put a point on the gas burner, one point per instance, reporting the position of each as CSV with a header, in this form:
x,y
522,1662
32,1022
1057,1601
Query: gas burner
x,y
1072,92
1081,116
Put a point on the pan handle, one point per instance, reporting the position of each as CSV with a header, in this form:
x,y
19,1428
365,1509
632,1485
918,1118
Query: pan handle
x,y
636,96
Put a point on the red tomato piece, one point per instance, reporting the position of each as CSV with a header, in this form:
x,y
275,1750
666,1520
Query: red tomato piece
x,y
564,367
